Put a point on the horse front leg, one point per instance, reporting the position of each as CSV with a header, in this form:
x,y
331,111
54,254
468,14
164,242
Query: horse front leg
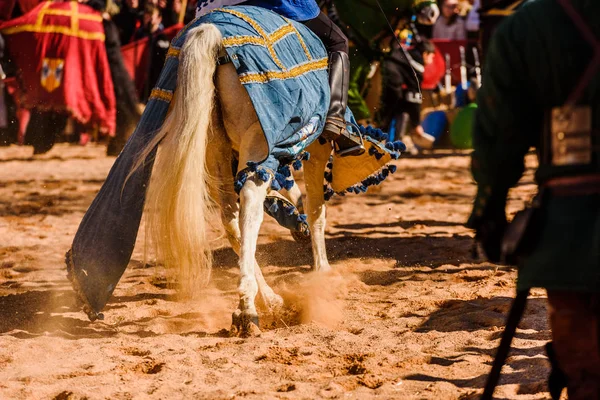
x,y
314,172
252,197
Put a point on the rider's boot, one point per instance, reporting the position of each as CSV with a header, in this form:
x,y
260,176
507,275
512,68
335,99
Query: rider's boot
x,y
335,125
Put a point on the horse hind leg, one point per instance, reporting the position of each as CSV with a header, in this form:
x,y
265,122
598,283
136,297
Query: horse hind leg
x,y
219,162
246,135
252,197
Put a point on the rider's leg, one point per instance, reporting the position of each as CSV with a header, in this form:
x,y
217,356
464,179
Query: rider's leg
x,y
339,76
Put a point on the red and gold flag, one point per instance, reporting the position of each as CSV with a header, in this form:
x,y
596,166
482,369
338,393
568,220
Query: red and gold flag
x,y
59,50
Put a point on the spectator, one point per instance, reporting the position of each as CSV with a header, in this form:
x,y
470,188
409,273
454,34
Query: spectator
x,y
152,28
472,23
151,22
128,19
449,26
171,12
401,98
190,11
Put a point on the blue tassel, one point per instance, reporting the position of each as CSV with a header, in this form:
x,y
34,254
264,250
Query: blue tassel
x,y
329,165
252,166
302,218
378,156
395,146
297,165
374,133
329,176
392,168
285,171
288,184
274,208
279,178
306,156
240,181
275,185
289,210
262,174
328,195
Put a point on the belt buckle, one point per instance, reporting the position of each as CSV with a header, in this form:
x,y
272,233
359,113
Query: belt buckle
x,y
571,135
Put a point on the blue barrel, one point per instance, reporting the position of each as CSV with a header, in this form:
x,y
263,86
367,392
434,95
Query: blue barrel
x,y
461,95
435,124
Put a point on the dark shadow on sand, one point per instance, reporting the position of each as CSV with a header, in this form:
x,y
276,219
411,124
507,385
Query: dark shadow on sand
x,y
427,250
529,367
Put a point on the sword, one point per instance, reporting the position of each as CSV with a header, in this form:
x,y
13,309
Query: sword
x,y
463,67
448,76
477,66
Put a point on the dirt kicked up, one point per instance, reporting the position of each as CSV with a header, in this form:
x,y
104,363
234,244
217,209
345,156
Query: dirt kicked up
x,y
408,314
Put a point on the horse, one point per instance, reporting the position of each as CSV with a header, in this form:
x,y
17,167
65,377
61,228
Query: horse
x,y
212,106
203,119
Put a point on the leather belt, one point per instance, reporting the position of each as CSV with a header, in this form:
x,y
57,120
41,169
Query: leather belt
x,y
581,185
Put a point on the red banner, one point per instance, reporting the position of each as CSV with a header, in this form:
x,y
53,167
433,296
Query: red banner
x,y
136,56
59,48
452,49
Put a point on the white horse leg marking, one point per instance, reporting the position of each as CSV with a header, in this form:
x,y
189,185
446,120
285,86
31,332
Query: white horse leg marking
x,y
314,170
252,197
219,163
246,135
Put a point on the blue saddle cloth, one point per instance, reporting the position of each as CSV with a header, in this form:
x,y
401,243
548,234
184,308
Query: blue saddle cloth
x,y
283,66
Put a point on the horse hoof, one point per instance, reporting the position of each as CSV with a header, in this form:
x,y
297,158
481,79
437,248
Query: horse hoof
x,y
301,237
273,304
244,324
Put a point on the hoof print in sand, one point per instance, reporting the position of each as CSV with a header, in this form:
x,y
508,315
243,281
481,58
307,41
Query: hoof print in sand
x,y
150,367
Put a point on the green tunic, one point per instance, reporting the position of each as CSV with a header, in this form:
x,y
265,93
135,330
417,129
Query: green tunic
x,y
535,60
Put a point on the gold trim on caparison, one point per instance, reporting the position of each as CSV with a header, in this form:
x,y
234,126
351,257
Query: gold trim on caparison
x,y
267,76
259,30
161,94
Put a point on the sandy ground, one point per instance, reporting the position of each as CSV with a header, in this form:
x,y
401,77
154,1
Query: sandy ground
x,y
408,314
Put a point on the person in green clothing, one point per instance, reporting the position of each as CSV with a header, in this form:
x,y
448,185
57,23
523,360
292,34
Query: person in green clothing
x,y
541,88
367,28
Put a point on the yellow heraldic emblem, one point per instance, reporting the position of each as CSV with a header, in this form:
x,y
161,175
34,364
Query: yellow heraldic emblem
x,y
52,73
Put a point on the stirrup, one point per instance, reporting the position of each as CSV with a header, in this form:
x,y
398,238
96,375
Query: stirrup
x,y
356,150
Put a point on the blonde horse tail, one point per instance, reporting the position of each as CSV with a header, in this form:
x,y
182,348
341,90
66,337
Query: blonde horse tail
x,y
178,198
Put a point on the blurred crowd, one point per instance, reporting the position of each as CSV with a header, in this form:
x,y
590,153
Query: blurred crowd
x,y
155,21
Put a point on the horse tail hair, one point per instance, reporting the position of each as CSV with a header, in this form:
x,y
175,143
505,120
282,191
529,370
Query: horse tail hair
x,y
178,197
